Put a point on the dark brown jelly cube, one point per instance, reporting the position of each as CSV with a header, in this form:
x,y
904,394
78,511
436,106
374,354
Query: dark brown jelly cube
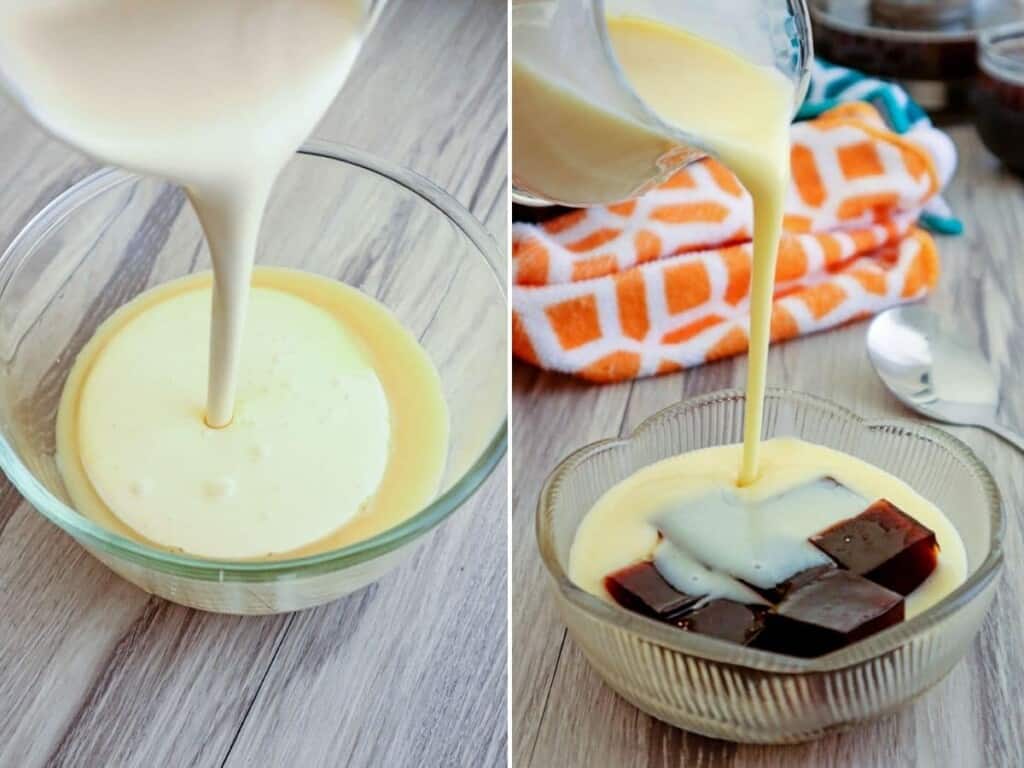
x,y
726,620
883,544
829,613
641,588
778,593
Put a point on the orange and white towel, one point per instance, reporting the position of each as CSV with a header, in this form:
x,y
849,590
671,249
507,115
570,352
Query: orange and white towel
x,y
660,283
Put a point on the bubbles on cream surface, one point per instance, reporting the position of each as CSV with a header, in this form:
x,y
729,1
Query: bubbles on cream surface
x,y
207,491
211,421
340,431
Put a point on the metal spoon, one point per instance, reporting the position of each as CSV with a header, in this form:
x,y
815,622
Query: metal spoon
x,y
934,371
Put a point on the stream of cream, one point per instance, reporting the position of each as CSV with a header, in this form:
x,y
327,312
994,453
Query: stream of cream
x,y
738,110
213,95
741,111
340,430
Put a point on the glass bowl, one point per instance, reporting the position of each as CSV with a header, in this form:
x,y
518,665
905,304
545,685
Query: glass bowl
x,y
727,691
335,211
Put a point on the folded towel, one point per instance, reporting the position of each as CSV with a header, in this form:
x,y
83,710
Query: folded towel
x,y
660,283
832,85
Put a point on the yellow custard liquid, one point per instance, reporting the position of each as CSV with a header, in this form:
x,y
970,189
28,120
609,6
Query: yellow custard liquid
x,y
340,428
620,529
742,112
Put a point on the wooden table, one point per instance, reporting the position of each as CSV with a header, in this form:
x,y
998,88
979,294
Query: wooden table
x,y
563,716
94,672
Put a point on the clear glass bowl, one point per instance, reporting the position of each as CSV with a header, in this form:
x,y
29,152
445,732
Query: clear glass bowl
x,y
335,211
730,692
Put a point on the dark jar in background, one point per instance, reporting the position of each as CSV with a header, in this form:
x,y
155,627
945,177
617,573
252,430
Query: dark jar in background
x,y
999,94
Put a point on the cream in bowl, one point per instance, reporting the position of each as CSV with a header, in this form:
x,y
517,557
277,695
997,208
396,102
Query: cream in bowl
x,y
820,551
335,401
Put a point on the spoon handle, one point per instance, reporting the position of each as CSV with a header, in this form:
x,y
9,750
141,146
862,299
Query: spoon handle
x,y
1007,434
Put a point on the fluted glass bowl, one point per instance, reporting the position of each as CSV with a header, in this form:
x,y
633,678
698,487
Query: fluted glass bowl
x,y
731,692
335,211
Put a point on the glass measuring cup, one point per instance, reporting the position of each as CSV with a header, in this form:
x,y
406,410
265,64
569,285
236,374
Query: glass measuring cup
x,y
562,59
40,43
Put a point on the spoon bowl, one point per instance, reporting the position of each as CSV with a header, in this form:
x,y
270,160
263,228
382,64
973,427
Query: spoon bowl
x,y
934,370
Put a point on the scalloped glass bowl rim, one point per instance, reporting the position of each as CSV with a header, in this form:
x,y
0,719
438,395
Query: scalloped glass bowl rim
x,y
89,533
764,661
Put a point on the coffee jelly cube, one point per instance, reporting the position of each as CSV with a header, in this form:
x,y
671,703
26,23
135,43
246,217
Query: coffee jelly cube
x,y
641,588
726,620
829,613
883,544
778,593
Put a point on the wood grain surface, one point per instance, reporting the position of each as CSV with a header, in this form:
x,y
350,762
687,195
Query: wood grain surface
x,y
409,672
563,716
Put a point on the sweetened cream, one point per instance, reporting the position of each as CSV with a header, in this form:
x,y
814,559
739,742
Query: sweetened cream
x,y
340,427
765,543
742,112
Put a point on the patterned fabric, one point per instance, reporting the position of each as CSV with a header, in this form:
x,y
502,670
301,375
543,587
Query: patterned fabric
x,y
832,86
661,283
